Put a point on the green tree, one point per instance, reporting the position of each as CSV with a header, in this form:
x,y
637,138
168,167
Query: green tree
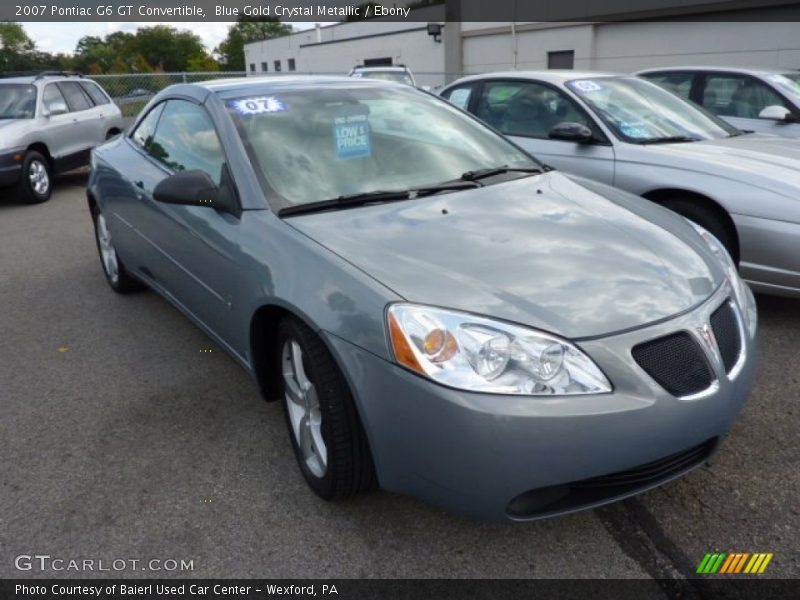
x,y
166,48
244,31
156,48
17,50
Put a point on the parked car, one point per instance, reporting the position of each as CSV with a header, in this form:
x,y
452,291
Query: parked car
x,y
135,93
436,311
48,124
761,100
399,74
628,132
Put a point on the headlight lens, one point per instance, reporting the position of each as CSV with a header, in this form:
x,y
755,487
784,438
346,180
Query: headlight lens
x,y
483,355
743,296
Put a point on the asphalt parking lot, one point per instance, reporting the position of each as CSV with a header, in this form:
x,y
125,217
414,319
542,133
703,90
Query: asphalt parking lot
x,y
121,436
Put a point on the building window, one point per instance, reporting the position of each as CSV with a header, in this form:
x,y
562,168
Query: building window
x,y
291,64
278,66
264,67
561,60
252,67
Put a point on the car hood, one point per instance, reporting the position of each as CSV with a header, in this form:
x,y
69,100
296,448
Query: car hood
x,y
769,162
542,251
8,127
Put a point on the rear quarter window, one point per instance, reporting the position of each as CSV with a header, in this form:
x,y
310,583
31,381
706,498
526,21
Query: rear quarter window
x,y
97,95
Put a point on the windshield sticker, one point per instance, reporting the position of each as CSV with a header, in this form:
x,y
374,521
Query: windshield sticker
x,y
352,135
248,107
585,86
635,130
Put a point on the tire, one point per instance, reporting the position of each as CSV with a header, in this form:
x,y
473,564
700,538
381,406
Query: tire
x,y
115,273
709,219
333,452
36,180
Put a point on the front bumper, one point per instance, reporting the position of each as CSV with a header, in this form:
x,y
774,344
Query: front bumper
x,y
10,166
476,453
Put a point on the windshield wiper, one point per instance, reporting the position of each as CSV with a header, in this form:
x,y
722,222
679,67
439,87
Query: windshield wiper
x,y
492,171
667,140
346,201
445,187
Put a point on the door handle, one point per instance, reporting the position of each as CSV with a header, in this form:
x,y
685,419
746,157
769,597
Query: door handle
x,y
139,184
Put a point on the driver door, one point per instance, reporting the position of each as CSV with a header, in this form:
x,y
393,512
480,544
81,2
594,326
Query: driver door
x,y
526,111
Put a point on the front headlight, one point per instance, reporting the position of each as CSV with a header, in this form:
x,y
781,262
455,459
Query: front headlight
x,y
483,355
743,296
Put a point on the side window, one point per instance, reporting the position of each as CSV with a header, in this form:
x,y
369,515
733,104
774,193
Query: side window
x,y
526,108
738,96
76,97
95,93
677,83
459,96
52,96
143,134
185,140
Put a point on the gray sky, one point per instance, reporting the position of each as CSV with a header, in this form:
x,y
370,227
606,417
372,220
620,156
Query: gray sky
x,y
62,37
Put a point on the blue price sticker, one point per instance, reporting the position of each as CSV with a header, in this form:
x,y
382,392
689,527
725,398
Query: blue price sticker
x,y
352,137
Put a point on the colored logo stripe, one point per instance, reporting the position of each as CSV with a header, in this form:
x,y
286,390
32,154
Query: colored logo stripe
x,y
711,563
720,562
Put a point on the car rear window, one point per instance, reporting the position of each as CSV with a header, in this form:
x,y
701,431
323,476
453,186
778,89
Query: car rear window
x,y
95,93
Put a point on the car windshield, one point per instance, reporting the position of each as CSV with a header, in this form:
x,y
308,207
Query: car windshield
x,y
17,101
331,141
640,112
397,76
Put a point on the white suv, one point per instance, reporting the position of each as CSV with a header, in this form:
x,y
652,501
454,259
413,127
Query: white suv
x,y
49,123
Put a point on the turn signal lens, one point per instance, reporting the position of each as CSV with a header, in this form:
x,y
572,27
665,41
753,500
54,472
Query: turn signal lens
x,y
440,345
402,351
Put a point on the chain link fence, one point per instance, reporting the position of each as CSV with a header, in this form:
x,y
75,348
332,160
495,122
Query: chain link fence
x,y
131,91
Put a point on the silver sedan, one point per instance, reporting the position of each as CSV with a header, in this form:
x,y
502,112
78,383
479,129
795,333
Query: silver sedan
x,y
633,134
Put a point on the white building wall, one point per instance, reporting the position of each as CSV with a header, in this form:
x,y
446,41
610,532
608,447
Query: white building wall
x,y
632,46
406,43
525,50
487,47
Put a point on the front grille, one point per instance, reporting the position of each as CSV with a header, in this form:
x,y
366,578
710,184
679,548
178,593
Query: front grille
x,y
676,362
726,331
549,501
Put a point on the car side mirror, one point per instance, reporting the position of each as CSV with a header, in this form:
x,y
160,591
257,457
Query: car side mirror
x,y
571,132
57,108
194,188
776,113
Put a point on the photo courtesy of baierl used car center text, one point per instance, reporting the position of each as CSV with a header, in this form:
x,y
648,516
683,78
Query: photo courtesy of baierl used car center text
x,y
404,299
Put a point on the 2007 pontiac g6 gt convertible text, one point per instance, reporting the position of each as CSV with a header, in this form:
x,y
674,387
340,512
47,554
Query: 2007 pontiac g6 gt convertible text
x,y
439,313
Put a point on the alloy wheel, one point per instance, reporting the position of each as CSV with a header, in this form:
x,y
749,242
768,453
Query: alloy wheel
x,y
305,415
107,252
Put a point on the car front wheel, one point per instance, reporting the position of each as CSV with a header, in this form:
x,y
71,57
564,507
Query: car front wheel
x,y
35,183
326,433
709,219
